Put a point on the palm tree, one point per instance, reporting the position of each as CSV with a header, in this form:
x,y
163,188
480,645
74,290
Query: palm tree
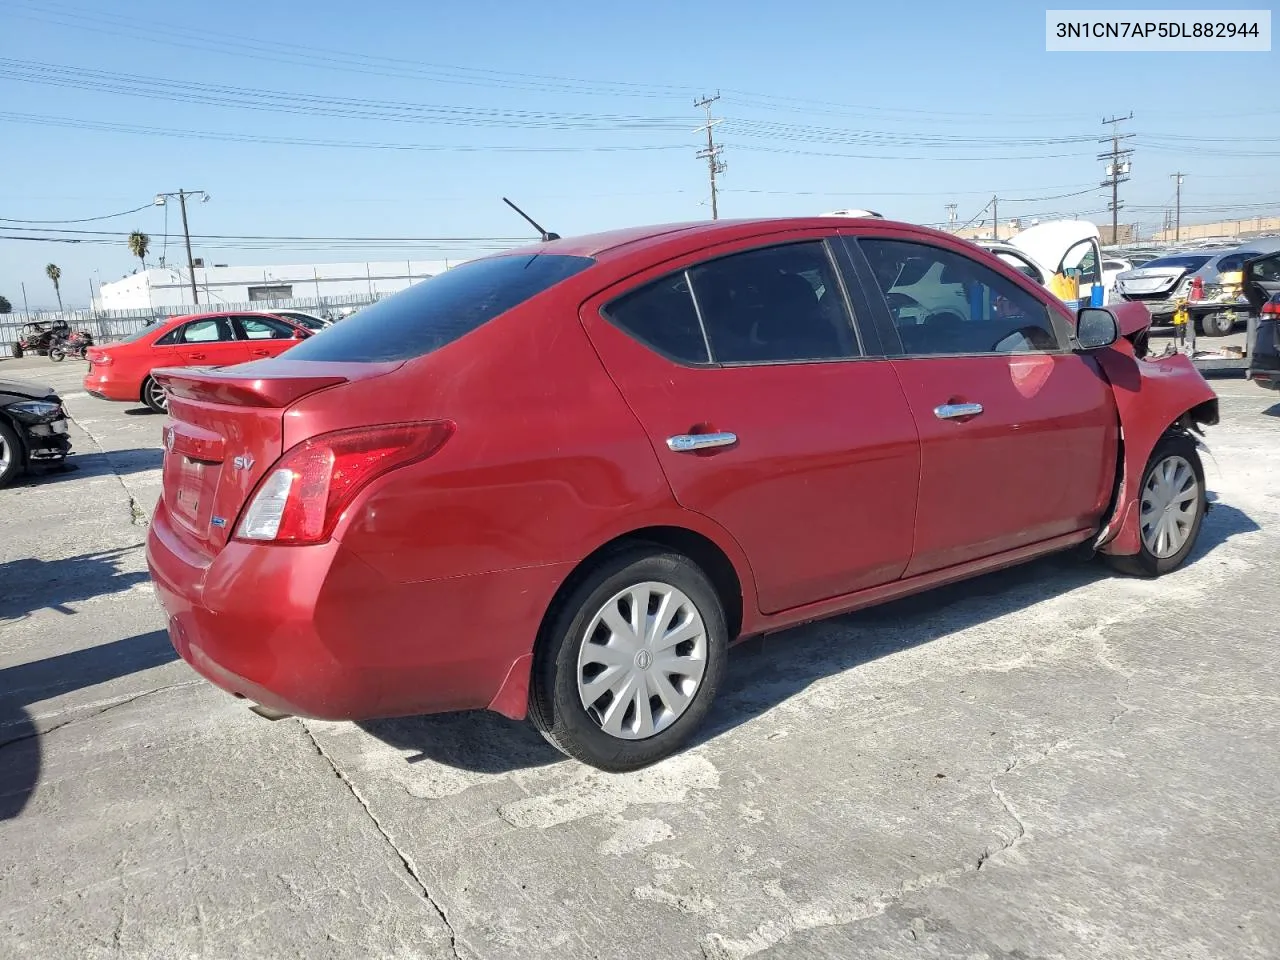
x,y
54,273
139,244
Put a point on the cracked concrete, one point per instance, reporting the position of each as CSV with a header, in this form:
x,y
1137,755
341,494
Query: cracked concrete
x,y
1049,762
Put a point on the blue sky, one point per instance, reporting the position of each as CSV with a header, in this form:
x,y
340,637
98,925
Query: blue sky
x,y
584,115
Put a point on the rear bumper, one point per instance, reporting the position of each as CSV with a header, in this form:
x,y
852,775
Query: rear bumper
x,y
105,387
315,631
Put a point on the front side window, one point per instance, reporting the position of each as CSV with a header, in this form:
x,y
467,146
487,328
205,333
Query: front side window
x,y
1081,262
774,304
945,303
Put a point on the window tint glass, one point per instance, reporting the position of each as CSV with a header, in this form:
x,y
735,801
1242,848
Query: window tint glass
x,y
1185,261
264,328
204,331
778,303
661,315
1235,261
1081,262
951,304
1266,270
438,311
1022,266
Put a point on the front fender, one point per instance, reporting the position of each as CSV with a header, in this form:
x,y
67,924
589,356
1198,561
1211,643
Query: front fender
x,y
1151,396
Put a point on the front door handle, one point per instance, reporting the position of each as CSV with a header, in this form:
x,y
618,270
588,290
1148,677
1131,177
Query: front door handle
x,y
196,356
957,411
692,442
261,353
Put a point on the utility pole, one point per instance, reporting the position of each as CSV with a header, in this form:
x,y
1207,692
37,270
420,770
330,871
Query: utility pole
x,y
1177,223
951,217
182,196
1117,169
711,153
995,218
25,308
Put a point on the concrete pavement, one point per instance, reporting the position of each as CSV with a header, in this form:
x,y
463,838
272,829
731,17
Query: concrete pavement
x,y
1047,762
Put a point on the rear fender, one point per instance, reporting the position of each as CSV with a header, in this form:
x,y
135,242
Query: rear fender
x,y
1152,397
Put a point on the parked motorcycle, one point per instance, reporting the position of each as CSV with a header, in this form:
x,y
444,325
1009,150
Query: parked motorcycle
x,y
73,344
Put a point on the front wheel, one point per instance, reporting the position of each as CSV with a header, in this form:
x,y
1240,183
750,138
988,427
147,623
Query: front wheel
x,y
630,664
11,455
17,350
1171,508
57,354
154,396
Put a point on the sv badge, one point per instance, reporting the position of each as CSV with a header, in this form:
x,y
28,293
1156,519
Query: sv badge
x,y
243,462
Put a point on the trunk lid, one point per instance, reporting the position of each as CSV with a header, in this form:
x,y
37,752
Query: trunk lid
x,y
1150,281
225,432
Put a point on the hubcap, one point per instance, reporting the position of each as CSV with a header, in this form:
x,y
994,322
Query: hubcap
x,y
157,395
1170,503
4,455
641,660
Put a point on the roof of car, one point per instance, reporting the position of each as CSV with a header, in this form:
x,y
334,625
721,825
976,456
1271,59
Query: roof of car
x,y
612,242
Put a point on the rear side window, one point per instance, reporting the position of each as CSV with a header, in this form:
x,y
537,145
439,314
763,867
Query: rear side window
x,y
211,330
661,315
438,311
1235,261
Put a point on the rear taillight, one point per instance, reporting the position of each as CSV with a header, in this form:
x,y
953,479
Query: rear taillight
x,y
100,358
1271,308
301,498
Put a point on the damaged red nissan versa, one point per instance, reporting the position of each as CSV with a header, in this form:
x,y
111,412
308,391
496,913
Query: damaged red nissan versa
x,y
560,482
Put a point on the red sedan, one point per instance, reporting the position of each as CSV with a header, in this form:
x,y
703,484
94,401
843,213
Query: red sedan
x,y
122,370
562,481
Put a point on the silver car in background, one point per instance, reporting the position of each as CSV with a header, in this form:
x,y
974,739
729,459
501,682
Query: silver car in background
x,y
1161,283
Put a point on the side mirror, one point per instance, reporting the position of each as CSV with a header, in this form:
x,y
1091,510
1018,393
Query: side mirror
x,y
1096,327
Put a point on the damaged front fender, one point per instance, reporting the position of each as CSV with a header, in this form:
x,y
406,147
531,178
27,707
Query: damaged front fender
x,y
1152,397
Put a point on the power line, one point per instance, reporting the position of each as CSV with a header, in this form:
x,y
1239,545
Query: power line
x,y
108,216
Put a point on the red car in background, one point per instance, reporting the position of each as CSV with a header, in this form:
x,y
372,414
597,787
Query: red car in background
x,y
561,481
122,370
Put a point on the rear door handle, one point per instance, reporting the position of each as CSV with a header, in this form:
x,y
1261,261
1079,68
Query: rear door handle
x,y
262,353
692,442
957,411
196,356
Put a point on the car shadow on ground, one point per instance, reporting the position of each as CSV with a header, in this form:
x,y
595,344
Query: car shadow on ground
x,y
79,466
1272,411
40,680
31,584
761,677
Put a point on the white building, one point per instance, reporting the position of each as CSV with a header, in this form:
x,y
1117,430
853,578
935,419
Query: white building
x,y
160,287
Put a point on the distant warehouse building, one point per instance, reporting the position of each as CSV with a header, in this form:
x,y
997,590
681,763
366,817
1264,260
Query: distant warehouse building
x,y
158,288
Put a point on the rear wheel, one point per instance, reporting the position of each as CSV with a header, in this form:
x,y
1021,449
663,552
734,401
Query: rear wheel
x,y
153,396
17,350
1171,508
1217,324
10,454
631,662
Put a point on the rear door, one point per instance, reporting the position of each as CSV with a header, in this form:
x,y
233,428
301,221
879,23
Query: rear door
x,y
206,342
1018,435
264,336
768,412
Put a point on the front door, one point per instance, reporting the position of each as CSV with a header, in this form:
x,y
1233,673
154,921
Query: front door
x,y
1018,435
751,382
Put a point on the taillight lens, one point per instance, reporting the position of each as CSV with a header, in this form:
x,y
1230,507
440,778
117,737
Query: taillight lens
x,y
1271,308
301,498
100,358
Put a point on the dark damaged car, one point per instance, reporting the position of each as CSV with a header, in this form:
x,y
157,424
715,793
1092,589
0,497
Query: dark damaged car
x,y
33,428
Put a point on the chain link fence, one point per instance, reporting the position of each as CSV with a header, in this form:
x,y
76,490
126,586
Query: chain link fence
x,y
107,325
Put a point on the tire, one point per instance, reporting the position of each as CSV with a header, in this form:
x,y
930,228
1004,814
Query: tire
x,y
12,455
17,350
57,354
1216,324
567,655
153,396
1175,453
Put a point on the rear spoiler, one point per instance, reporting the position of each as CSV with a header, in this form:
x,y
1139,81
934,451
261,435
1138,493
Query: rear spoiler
x,y
225,386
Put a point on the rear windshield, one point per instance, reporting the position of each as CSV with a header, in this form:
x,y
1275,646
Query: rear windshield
x,y
1184,261
1235,261
438,311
